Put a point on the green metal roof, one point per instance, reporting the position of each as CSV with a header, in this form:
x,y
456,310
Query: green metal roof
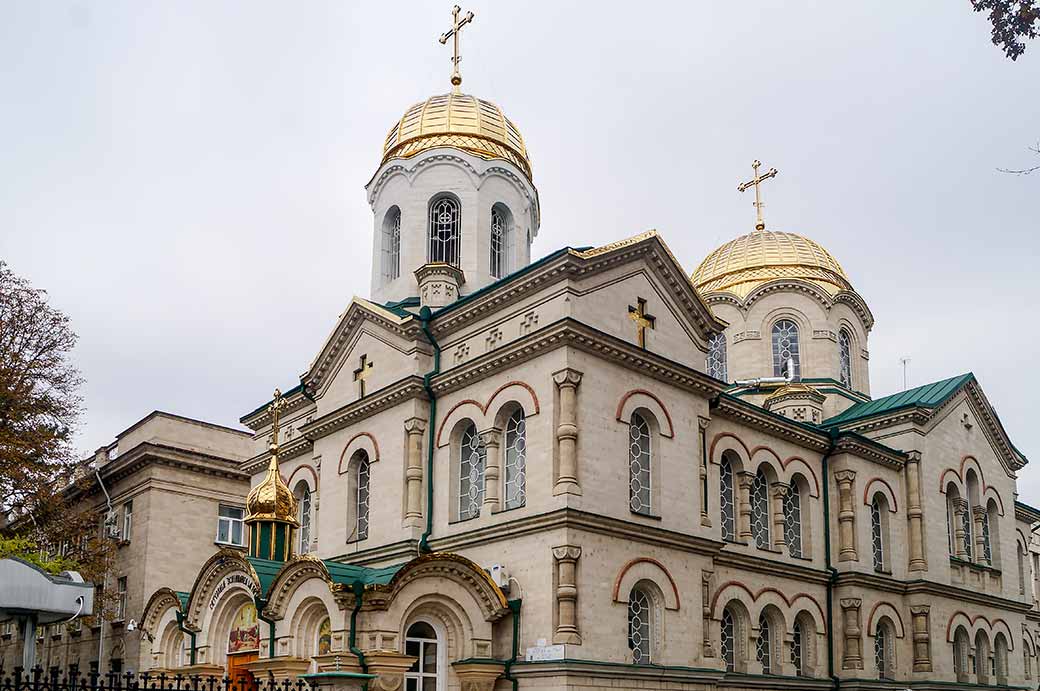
x,y
348,574
927,396
399,307
267,570
183,597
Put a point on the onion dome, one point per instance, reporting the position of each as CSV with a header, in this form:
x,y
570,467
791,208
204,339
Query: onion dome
x,y
459,121
742,265
271,500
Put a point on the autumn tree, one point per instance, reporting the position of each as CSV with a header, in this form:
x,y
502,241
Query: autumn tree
x,y
1013,21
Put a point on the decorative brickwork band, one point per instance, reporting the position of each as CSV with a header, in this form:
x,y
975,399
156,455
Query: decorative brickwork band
x,y
567,381
413,514
567,595
922,638
853,653
846,516
914,512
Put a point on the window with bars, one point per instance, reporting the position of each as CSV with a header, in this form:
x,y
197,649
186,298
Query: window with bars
x,y
516,460
639,626
303,495
760,510
881,651
764,644
987,549
785,347
727,505
966,526
798,649
391,244
793,521
877,537
472,459
361,496
728,642
715,365
499,241
845,358
639,464
445,230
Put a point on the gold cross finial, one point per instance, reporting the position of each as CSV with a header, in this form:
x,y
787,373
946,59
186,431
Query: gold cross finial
x,y
760,224
643,321
361,374
275,409
453,32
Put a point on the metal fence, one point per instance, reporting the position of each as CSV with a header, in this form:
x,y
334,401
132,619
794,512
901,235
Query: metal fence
x,y
71,680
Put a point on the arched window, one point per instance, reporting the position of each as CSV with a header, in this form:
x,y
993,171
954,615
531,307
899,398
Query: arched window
x,y
445,230
785,347
360,497
1027,660
764,645
961,663
883,650
501,229
798,649
391,245
878,507
639,464
640,625
983,664
1021,571
845,358
472,459
516,460
987,549
991,534
966,524
1000,659
303,498
793,521
715,364
760,510
726,499
728,643
422,642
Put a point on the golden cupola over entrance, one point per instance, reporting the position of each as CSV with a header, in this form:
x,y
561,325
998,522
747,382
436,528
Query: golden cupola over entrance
x,y
271,507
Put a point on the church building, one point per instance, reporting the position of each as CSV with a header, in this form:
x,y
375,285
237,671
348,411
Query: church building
x,y
603,469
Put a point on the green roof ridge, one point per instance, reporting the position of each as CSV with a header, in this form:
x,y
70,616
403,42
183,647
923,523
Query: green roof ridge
x,y
930,395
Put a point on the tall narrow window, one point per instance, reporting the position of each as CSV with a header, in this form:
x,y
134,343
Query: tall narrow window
x,y
987,549
121,598
128,520
845,358
472,459
639,464
445,230
966,524
785,347
764,645
305,519
364,471
726,503
951,535
793,521
798,649
422,643
639,626
499,228
728,644
881,643
391,244
715,365
877,537
516,460
760,510
1021,571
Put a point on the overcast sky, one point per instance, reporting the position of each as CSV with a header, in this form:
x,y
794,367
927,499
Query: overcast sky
x,y
186,178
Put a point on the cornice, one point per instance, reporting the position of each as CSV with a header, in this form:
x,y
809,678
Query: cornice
x,y
404,389
868,449
295,400
850,297
924,587
758,418
760,565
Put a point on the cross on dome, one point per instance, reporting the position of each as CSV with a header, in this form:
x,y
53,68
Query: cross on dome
x,y
760,224
453,33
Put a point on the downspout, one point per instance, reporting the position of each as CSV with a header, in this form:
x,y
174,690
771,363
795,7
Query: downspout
x,y
832,573
514,607
191,634
260,604
359,589
104,582
424,322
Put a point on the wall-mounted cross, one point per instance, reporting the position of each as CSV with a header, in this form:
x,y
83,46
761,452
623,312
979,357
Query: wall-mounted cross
x,y
643,321
361,374
760,223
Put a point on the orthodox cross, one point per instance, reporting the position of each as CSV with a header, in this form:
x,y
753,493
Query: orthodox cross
x,y
275,409
453,33
361,374
643,320
756,181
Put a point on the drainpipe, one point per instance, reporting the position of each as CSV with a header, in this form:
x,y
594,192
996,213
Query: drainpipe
x,y
832,573
424,322
260,604
104,582
514,607
191,635
359,589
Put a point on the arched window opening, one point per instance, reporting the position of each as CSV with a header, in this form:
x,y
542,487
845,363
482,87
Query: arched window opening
x,y
501,232
303,499
715,364
472,460
640,626
845,358
991,534
639,465
883,650
361,497
727,505
1021,571
764,644
878,538
966,525
793,521
798,649
961,662
421,642
983,664
760,510
785,347
445,230
728,643
1027,660
1000,659
323,637
391,249
516,460
987,548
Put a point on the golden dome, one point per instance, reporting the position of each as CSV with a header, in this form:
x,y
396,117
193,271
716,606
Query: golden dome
x,y
271,500
459,121
743,264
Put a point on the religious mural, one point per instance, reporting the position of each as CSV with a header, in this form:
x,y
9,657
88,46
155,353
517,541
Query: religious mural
x,y
325,637
245,633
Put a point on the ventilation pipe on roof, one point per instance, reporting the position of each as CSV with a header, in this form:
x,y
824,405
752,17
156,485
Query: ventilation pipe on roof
x,y
786,379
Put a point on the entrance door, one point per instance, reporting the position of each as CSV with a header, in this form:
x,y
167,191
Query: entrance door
x,y
421,642
241,678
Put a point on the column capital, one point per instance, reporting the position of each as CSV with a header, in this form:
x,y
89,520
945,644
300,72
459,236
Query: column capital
x,y
415,425
491,437
567,377
703,422
920,610
978,511
843,477
566,552
780,489
913,456
850,602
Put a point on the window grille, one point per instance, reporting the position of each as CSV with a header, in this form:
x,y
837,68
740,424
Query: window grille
x,y
987,550
845,358
230,526
881,651
516,460
966,523
715,365
472,459
793,522
363,475
498,241
639,626
392,245
639,465
444,231
728,643
877,543
798,649
785,347
305,521
726,503
760,510
763,646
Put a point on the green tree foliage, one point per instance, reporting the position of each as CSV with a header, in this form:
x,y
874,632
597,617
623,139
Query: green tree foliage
x,y
25,549
1013,21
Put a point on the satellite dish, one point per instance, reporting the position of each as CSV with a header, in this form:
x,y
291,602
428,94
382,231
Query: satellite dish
x,y
132,625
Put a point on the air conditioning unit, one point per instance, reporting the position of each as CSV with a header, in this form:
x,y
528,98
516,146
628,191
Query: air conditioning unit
x,y
499,576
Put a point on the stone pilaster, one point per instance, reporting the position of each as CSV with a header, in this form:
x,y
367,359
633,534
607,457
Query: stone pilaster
x,y
960,507
780,491
413,515
922,637
914,512
846,515
388,667
744,481
567,630
853,653
702,431
492,440
567,381
978,515
706,644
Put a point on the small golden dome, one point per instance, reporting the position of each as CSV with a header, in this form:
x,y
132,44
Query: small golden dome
x,y
271,500
743,264
459,121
